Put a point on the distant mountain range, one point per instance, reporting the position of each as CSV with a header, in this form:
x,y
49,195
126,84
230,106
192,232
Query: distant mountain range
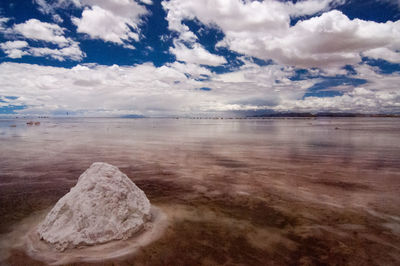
x,y
133,116
292,114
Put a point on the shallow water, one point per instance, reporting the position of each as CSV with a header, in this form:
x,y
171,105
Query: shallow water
x,y
236,191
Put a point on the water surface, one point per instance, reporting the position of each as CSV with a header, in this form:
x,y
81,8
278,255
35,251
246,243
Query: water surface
x,y
236,191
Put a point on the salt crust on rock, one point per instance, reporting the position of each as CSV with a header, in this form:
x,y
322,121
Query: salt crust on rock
x,y
104,205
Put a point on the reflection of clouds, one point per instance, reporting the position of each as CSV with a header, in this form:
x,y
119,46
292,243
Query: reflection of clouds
x,y
277,153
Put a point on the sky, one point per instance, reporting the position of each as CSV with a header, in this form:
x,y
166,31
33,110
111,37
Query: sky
x,y
198,57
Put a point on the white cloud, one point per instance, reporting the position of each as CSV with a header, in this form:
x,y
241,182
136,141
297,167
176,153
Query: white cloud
x,y
383,53
57,18
47,8
240,16
329,40
71,52
141,89
173,89
37,30
379,94
111,21
301,8
102,24
196,55
44,7
13,49
3,22
358,100
13,45
332,40
193,70
147,2
108,20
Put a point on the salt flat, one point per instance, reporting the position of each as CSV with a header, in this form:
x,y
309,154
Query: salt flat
x,y
235,191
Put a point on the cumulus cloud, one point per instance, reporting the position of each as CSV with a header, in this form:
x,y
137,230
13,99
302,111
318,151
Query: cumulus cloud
x,y
379,95
333,40
144,89
112,21
358,100
196,55
139,89
108,20
383,53
255,16
42,31
311,7
37,30
193,70
13,49
174,89
264,30
71,52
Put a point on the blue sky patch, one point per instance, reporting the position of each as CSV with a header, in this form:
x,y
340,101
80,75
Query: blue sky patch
x,y
326,88
11,109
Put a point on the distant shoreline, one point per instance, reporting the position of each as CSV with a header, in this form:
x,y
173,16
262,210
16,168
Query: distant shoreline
x,y
269,115
325,115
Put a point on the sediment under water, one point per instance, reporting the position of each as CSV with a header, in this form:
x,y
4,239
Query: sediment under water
x,y
250,192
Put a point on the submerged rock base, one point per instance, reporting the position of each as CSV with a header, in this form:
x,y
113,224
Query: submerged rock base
x,y
40,250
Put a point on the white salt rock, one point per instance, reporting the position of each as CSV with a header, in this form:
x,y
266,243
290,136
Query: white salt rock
x,y
104,205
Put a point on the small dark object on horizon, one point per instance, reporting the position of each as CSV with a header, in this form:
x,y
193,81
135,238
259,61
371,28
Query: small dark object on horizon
x,y
30,123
